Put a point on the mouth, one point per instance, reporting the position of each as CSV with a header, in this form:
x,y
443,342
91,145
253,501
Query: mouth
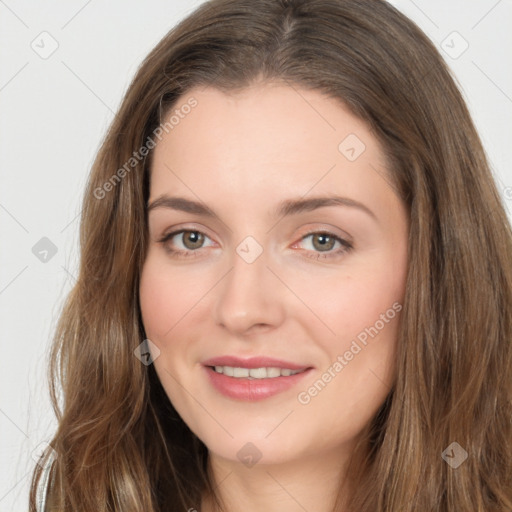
x,y
255,373
253,384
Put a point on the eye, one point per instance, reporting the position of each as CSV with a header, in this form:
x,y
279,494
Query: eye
x,y
322,244
190,241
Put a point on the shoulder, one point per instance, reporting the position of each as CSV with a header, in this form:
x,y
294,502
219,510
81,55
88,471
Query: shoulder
x,y
42,487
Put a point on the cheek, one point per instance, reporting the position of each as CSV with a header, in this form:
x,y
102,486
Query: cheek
x,y
354,301
157,303
167,295
362,311
358,371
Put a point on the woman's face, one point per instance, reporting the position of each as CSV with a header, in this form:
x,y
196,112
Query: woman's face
x,y
289,244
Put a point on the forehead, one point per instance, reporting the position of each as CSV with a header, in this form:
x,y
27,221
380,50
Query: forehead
x,y
263,141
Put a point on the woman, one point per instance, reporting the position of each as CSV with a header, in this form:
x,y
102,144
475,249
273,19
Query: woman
x,y
295,288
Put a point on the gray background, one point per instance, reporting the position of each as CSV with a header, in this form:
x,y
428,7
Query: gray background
x,y
55,108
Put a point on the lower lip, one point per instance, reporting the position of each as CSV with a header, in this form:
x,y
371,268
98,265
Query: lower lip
x,y
252,389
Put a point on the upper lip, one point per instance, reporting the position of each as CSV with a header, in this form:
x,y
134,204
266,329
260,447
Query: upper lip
x,y
253,362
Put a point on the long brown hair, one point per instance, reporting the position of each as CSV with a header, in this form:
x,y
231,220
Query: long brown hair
x,y
120,444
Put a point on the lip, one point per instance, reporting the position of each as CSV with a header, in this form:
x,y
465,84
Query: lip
x,y
251,390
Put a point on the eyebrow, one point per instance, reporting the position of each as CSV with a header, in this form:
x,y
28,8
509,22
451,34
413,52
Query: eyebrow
x,y
284,209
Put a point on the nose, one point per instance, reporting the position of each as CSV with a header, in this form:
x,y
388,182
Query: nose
x,y
250,297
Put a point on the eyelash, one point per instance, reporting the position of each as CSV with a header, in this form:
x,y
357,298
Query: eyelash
x,y
346,245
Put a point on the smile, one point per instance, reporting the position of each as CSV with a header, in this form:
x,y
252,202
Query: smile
x,y
255,373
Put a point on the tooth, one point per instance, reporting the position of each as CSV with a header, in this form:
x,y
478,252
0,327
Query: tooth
x,y
273,372
240,372
255,373
258,373
228,370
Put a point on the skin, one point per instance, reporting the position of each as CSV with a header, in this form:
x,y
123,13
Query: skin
x,y
242,154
